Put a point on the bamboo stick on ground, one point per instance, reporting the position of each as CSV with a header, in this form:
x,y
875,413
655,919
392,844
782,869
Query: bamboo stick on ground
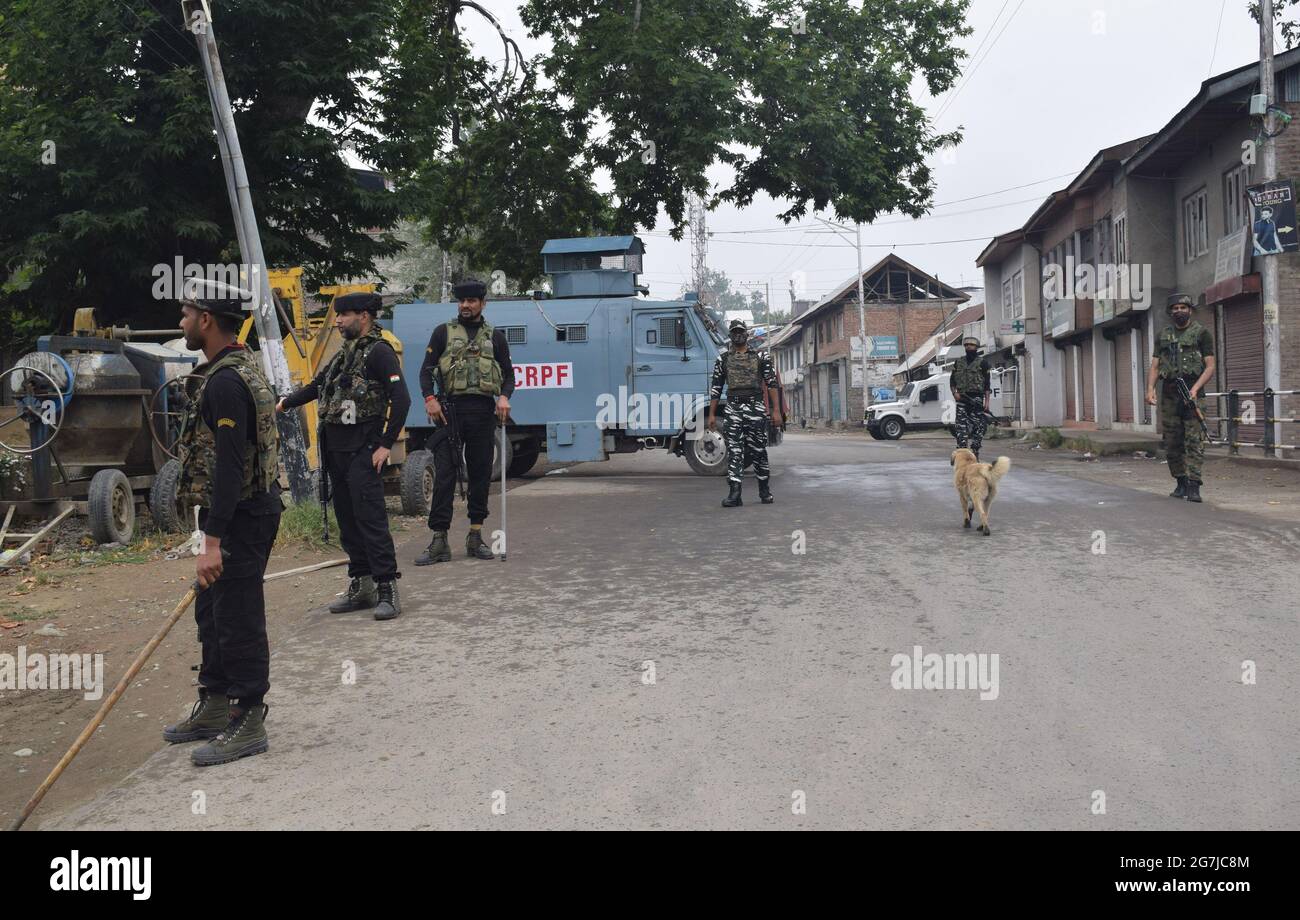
x,y
125,682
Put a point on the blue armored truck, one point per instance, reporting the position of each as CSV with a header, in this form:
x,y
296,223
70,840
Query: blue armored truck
x,y
599,368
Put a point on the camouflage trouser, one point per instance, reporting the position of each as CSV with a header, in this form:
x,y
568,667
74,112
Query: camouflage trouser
x,y
1183,442
744,425
970,428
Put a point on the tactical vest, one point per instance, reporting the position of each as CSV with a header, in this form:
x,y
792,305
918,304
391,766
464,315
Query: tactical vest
x,y
743,377
1188,360
197,446
346,382
469,368
968,379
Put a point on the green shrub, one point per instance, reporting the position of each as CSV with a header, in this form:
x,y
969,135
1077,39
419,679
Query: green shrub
x,y
1050,437
301,524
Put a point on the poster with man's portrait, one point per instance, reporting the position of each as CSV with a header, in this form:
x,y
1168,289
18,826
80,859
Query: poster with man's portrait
x,y
1272,218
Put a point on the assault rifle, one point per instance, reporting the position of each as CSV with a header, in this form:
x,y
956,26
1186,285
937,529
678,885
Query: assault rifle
x,y
450,432
976,407
1185,397
324,481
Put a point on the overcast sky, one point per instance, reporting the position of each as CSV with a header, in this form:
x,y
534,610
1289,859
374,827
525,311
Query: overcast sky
x,y
1054,82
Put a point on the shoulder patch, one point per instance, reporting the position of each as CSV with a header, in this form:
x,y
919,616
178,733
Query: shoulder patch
x,y
394,378
225,423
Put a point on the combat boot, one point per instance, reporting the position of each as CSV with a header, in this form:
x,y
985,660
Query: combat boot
x,y
390,605
765,492
1181,490
361,595
208,717
733,497
1193,491
243,736
436,551
475,548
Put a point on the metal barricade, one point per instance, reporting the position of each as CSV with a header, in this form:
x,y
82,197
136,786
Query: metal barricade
x,y
1235,419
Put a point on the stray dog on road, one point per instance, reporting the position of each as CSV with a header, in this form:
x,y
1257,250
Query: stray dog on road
x,y
977,484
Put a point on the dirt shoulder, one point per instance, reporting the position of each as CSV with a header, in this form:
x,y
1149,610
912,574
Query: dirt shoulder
x,y
111,603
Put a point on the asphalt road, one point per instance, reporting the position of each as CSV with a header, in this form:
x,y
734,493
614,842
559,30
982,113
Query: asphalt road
x,y
517,694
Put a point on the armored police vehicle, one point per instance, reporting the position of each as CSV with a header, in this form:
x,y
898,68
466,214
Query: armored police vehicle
x,y
599,368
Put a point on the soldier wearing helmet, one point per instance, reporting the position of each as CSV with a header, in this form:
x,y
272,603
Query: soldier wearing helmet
x,y
743,372
1184,349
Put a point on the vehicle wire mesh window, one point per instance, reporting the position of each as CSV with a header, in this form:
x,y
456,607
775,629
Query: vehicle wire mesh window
x,y
672,332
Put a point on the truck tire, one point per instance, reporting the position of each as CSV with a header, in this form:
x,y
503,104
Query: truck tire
x,y
874,432
892,428
417,483
112,507
164,502
525,458
707,454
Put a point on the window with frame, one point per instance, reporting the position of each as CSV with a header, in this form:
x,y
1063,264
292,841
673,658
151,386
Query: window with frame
x,y
1120,238
1196,229
1006,297
1236,203
1017,295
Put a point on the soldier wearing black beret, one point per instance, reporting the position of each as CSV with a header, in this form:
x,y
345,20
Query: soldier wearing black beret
x,y
229,452
363,406
467,379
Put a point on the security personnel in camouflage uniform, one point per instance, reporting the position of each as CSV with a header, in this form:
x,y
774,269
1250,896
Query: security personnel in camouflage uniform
x,y
744,372
358,389
1184,349
970,392
467,367
229,453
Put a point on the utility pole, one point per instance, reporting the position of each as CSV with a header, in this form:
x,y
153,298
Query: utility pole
x,y
699,245
862,309
198,19
1268,271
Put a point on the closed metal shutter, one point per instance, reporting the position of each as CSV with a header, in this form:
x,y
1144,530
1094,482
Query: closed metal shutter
x,y
1243,361
1068,377
1086,375
1123,364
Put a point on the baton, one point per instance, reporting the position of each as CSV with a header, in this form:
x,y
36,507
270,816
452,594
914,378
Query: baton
x,y
503,492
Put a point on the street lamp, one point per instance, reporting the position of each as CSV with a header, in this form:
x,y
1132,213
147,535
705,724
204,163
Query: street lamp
x,y
862,310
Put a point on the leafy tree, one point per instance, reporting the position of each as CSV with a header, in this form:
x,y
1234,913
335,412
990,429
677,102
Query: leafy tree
x,y
109,164
492,163
1282,11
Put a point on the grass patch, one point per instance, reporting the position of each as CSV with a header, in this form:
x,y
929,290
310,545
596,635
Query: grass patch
x,y
1050,437
301,525
145,545
22,614
1082,444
